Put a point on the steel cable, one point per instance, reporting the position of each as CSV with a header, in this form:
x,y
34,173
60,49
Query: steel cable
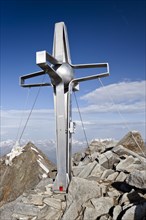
x,y
121,116
81,120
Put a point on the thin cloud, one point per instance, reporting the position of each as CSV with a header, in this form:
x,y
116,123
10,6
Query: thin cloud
x,y
124,96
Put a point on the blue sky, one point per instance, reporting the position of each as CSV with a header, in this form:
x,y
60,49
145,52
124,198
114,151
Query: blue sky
x,y
99,31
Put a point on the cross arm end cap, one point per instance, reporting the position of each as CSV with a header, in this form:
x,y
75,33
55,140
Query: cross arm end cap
x,y
41,57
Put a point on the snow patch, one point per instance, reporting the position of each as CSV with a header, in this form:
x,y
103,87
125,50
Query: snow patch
x,y
15,152
43,166
34,149
134,132
40,156
44,175
103,140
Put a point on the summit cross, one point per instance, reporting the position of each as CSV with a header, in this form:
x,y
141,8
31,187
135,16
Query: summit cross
x,y
59,68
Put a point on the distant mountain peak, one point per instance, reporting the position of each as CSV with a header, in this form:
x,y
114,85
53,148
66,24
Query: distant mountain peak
x,y
22,169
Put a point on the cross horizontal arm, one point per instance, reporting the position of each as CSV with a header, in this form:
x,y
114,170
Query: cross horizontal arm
x,y
89,77
91,65
36,85
31,75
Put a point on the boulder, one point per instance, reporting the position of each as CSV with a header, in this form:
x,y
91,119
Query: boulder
x,y
55,203
130,164
124,164
97,170
101,206
87,170
122,151
96,146
53,214
108,159
77,157
116,212
137,179
112,176
133,141
121,177
30,209
77,169
135,212
106,173
80,190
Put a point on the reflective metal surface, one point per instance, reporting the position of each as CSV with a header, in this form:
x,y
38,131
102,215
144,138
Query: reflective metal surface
x,y
61,72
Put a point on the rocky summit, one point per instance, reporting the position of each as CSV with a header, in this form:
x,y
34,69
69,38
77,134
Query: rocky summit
x,y
108,183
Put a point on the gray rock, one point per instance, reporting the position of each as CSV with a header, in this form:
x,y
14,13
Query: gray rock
x,y
102,201
122,151
116,212
124,164
132,141
85,161
80,190
108,159
56,216
22,217
55,203
43,183
93,156
101,206
113,193
137,179
29,209
124,199
121,177
37,200
131,164
52,214
59,196
133,167
130,214
77,169
63,205
7,210
112,176
77,157
90,213
88,204
48,191
80,217
106,173
104,217
97,170
87,170
73,211
96,146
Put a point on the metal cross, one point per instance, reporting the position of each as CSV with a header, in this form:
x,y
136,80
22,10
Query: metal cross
x,y
61,73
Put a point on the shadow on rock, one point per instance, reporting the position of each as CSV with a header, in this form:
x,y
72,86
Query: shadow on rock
x,y
122,186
